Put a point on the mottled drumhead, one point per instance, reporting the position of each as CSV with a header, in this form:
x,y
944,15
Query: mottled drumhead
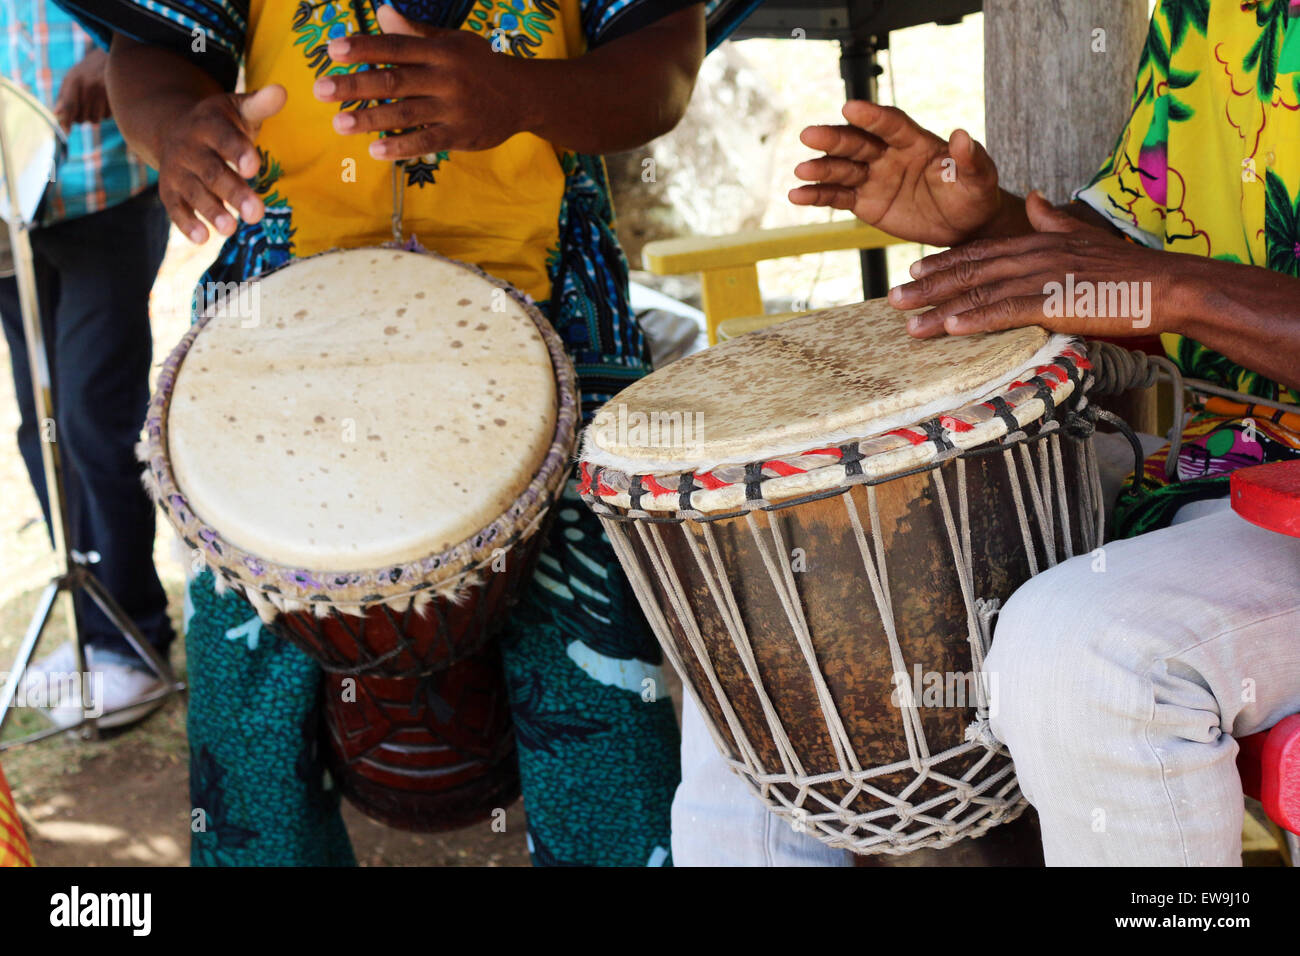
x,y
819,379
361,408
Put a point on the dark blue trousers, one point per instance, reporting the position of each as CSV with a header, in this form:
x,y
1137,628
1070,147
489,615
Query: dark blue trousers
x,y
93,277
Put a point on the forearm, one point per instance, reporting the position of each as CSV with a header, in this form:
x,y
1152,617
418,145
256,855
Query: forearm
x,y
1248,313
148,89
620,95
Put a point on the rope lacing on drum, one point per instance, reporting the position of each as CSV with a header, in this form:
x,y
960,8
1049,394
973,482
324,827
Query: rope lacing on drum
x,y
980,730
984,791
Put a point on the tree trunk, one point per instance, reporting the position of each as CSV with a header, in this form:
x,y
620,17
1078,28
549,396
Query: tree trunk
x,y
1058,83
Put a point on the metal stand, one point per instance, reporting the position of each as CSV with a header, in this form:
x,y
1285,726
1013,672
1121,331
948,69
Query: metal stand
x,y
862,28
76,575
860,70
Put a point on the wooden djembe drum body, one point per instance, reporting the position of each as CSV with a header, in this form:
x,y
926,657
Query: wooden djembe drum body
x,y
823,561
367,450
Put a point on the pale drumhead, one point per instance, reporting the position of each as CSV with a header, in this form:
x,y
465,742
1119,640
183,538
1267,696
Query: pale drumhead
x,y
848,372
381,405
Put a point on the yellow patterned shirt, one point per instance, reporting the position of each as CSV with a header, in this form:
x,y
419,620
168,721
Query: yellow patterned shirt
x,y
1209,164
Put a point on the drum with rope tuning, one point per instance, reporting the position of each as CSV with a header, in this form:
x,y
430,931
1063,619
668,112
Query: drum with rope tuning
x,y
365,444
821,520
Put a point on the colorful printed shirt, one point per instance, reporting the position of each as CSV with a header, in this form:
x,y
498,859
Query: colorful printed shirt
x,y
39,44
534,215
1209,164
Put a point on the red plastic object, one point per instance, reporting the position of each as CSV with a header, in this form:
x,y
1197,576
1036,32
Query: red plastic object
x,y
1269,764
1269,496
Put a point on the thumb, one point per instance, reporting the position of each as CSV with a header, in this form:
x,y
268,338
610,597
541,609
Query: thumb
x,y
390,21
971,157
256,107
1045,217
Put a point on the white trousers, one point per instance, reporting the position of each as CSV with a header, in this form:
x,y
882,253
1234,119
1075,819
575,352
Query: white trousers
x,y
1119,694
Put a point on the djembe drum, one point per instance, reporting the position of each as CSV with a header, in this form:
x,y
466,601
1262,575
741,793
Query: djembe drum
x,y
365,444
820,521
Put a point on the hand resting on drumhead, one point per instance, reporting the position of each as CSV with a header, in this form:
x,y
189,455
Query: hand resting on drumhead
x,y
993,284
1009,255
1245,312
199,137
440,89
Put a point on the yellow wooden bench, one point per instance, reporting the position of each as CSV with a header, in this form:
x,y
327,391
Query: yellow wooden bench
x,y
728,265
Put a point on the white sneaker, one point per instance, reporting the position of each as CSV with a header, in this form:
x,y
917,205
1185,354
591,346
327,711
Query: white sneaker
x,y
110,685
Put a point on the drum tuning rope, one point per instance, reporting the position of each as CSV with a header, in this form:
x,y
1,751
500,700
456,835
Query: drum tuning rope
x,y
744,655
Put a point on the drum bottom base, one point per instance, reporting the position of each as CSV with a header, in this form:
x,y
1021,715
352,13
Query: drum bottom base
x,y
431,811
1017,843
428,754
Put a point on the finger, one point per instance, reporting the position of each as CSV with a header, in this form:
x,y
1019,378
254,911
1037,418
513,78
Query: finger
x,y
182,215
848,142
889,124
100,109
1045,217
66,106
984,295
971,157
1005,314
402,115
375,85
255,108
385,49
207,204
390,21
222,181
833,170
231,141
967,274
978,250
430,139
835,197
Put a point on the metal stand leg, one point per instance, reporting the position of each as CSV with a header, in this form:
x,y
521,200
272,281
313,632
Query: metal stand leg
x,y
859,68
75,575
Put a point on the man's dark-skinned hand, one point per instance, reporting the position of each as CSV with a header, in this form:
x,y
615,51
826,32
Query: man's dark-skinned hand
x,y
83,95
898,176
208,154
451,89
995,284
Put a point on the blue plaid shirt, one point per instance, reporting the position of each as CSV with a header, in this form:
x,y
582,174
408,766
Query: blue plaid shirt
x,y
39,44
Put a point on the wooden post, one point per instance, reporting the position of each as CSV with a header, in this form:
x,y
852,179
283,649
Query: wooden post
x,y
1058,82
1058,86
